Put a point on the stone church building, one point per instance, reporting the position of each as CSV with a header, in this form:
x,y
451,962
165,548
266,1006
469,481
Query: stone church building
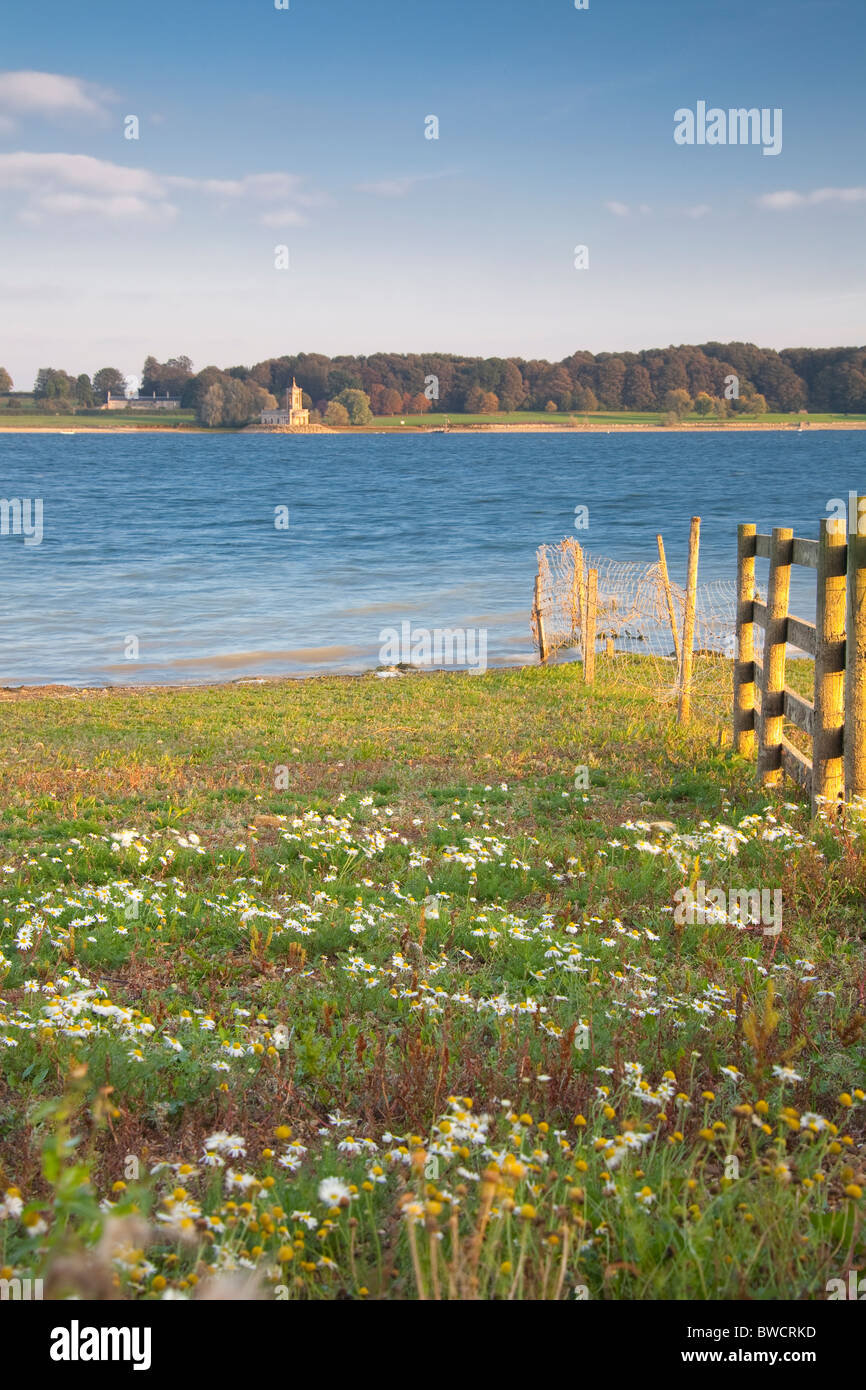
x,y
294,414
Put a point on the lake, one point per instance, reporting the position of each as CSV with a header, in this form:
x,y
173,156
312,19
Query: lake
x,y
160,559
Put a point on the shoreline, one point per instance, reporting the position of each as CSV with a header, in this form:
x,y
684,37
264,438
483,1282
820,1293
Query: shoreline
x,y
59,690
530,428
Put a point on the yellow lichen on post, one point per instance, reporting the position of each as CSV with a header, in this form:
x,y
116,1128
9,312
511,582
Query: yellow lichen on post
x,y
744,660
855,661
775,644
828,778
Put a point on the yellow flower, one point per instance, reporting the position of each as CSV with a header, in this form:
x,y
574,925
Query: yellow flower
x,y
707,1134
762,1107
283,1132
845,1099
285,1254
708,1095
528,1211
853,1190
579,1120
609,1112
159,1283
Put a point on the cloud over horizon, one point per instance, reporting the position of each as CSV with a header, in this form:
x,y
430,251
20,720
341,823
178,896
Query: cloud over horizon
x,y
50,94
63,184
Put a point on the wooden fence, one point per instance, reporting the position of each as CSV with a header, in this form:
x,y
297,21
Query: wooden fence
x,y
835,718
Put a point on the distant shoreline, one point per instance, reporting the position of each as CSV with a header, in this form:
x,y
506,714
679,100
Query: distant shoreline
x,y
716,427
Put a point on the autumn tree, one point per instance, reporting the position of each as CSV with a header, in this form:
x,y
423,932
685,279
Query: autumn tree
x,y
336,415
678,402
391,403
5,382
637,389
357,405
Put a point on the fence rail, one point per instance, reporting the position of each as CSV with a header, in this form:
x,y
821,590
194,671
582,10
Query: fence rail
x,y
835,717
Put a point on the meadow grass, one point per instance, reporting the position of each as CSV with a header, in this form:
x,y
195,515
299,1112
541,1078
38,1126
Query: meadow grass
x,y
352,987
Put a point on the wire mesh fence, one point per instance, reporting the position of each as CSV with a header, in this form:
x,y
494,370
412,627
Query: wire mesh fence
x,y
639,622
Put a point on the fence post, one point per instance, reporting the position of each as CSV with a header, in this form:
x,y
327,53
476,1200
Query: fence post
x,y
578,592
669,598
684,706
828,775
775,641
539,621
744,660
589,631
855,660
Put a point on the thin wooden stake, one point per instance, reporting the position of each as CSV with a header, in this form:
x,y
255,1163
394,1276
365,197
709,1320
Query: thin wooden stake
x,y
684,707
775,640
589,630
579,589
539,622
744,660
669,598
828,775
855,659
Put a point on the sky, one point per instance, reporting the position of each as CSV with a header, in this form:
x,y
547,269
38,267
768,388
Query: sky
x,y
305,128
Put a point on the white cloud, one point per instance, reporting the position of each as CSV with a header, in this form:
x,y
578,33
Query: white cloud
x,y
256,187
398,187
120,208
625,209
283,217
787,198
44,171
63,185
698,210
51,95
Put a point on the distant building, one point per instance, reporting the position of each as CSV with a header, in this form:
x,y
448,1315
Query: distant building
x,y
139,402
294,414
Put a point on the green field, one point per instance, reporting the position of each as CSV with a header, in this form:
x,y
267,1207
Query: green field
x,y
360,987
97,419
599,418
185,419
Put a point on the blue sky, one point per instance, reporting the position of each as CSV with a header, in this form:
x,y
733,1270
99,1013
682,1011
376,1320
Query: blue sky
x,y
305,128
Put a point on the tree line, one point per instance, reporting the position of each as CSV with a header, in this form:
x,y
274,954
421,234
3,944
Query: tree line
x,y
720,378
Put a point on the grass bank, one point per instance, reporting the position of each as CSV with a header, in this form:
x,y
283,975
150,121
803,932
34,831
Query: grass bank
x,y
374,988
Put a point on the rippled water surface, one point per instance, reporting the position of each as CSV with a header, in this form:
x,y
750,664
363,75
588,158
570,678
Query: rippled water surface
x,y
171,539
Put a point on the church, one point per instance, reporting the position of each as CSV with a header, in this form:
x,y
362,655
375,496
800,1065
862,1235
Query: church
x,y
294,414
